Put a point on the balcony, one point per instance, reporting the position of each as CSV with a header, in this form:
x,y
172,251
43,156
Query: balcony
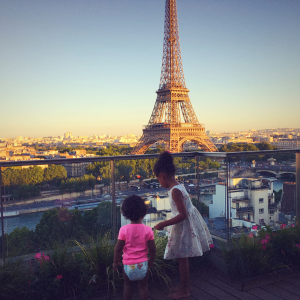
x,y
238,200
209,283
243,210
272,206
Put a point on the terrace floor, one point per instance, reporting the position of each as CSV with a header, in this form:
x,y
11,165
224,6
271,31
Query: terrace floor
x,y
211,284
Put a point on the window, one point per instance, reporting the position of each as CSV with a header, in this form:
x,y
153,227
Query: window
x,y
261,200
261,220
261,210
271,212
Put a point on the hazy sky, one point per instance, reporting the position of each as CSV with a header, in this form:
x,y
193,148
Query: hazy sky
x,y
93,66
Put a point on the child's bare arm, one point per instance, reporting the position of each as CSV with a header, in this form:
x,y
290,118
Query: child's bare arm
x,y
178,199
152,253
118,252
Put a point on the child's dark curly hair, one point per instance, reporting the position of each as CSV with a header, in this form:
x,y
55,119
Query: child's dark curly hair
x,y
134,208
165,164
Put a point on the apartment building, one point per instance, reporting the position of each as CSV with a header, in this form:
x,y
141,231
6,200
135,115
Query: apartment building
x,y
253,199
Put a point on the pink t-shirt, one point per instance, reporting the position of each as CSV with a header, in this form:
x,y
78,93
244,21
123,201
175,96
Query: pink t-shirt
x,y
136,237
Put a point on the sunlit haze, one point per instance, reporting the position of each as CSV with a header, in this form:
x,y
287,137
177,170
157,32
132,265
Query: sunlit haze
x,y
92,67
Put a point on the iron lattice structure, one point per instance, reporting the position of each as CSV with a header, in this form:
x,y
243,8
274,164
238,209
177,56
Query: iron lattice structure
x,y
173,103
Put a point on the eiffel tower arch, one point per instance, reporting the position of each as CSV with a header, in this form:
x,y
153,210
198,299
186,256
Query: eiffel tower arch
x,y
173,119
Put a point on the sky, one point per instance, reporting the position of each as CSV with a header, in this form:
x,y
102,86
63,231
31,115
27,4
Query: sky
x,y
93,66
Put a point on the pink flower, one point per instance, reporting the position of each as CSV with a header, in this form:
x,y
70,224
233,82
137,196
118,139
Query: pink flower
x,y
283,226
293,225
38,256
41,257
254,227
298,245
264,247
45,257
58,277
250,235
211,246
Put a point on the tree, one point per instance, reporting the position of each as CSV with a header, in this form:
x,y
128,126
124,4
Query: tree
x,y
123,172
62,188
238,147
265,146
142,175
59,226
20,241
26,192
277,195
54,174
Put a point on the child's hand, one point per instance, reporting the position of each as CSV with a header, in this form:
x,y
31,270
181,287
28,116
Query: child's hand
x,y
159,226
115,266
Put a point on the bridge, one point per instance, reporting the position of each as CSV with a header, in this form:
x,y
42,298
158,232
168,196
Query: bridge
x,y
277,171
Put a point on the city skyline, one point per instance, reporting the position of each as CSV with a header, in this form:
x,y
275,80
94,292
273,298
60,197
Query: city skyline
x,y
92,67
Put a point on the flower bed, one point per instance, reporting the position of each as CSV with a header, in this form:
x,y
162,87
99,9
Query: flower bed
x,y
60,274
269,251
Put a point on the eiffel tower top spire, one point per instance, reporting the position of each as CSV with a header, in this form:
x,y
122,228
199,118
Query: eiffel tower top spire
x,y
171,72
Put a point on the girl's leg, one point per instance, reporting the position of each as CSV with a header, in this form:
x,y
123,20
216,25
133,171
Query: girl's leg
x,y
185,286
143,287
127,294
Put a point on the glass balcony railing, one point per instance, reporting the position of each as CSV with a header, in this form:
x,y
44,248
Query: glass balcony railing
x,y
51,201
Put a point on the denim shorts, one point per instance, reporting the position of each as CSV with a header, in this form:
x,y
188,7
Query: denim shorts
x,y
136,271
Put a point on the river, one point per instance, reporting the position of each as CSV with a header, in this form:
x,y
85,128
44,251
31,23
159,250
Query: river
x,y
30,220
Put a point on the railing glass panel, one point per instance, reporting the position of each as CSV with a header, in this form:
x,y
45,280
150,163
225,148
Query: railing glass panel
x,y
50,202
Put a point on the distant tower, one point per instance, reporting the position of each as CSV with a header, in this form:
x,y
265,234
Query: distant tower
x,y
68,135
173,102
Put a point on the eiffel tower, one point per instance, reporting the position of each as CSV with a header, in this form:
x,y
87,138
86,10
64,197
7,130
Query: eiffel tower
x,y
173,103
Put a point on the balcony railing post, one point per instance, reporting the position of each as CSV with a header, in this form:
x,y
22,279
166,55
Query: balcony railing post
x,y
113,193
2,222
198,180
227,209
298,184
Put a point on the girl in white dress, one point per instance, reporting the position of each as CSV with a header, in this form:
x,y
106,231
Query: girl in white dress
x,y
189,235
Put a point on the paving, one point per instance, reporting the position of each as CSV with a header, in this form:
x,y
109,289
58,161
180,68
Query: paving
x,y
211,284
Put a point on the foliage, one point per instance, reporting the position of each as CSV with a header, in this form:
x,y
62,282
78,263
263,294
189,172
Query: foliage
x,y
26,192
161,267
282,246
59,226
202,207
14,280
99,256
20,241
265,146
25,183
62,273
125,170
99,220
59,276
277,195
245,258
54,174
238,147
18,176
77,185
250,256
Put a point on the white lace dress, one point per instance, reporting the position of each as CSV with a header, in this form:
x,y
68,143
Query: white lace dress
x,y
189,237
